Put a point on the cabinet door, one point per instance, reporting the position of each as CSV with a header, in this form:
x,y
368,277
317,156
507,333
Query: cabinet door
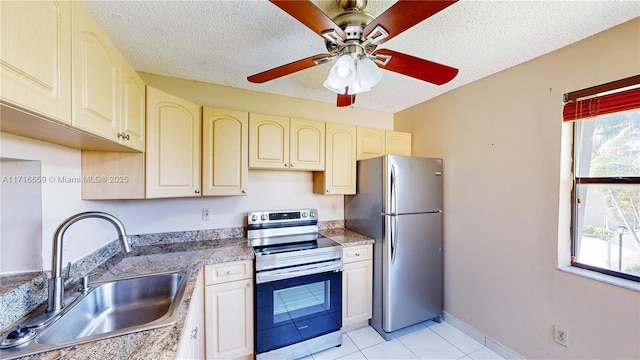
x,y
398,143
95,77
357,293
229,320
371,143
35,70
132,121
268,142
173,146
307,145
192,341
225,165
339,176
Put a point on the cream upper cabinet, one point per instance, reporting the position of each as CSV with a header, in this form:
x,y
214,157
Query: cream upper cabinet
x,y
268,142
35,70
306,144
398,143
281,143
133,119
95,77
229,310
371,143
357,286
173,146
377,142
225,166
339,176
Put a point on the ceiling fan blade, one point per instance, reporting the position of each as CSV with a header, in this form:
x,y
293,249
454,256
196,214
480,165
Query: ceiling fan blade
x,y
345,100
290,68
403,15
309,15
422,69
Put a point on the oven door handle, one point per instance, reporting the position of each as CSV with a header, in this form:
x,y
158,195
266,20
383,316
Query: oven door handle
x,y
274,275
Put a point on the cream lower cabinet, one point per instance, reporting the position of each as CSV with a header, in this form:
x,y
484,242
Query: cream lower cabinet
x,y
192,341
35,71
357,286
281,143
173,146
225,167
377,142
339,176
229,310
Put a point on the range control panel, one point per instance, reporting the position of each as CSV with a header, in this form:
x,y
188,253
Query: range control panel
x,y
275,217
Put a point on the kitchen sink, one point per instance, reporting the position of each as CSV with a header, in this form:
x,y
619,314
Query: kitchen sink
x,y
108,308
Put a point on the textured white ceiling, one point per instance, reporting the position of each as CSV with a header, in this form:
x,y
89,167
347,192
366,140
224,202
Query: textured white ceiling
x,y
223,42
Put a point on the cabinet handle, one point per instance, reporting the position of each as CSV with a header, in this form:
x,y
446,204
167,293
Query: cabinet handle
x,y
328,190
123,135
194,333
244,191
357,254
291,165
197,191
286,165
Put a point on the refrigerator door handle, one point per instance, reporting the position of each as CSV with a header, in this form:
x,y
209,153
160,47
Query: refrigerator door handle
x,y
394,193
394,214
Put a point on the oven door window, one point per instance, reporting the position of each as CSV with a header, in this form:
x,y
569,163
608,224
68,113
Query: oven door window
x,y
292,310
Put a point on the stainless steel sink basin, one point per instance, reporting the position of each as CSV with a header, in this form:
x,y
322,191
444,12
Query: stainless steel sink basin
x,y
107,309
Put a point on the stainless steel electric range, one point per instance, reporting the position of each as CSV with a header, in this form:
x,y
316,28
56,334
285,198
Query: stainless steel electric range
x,y
298,273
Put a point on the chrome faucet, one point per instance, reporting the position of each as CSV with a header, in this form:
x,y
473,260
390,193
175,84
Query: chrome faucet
x,y
56,283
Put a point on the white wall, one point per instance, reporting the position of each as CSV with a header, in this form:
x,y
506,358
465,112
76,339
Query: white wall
x,y
507,203
59,201
268,190
21,216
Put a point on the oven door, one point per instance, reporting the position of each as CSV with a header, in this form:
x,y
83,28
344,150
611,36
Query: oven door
x,y
296,309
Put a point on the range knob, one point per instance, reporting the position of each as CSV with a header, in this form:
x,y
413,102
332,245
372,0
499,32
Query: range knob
x,y
304,214
263,216
254,217
312,214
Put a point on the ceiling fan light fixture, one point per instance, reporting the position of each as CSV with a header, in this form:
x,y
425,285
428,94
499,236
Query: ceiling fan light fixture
x,y
342,74
368,73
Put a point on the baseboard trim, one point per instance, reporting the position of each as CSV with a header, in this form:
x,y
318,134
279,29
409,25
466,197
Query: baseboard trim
x,y
480,337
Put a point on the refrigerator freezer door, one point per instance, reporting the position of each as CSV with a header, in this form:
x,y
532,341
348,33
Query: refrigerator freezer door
x,y
412,270
413,185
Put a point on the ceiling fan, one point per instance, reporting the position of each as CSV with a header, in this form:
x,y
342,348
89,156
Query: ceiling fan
x,y
353,37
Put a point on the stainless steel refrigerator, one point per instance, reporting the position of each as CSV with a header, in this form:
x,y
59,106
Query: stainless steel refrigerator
x,y
398,203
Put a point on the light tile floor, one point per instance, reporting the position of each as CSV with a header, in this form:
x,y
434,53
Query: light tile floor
x,y
427,340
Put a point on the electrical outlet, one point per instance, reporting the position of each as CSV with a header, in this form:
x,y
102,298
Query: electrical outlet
x,y
206,214
561,336
334,207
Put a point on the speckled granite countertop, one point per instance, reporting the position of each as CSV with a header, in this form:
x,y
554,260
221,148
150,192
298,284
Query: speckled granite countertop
x,y
346,237
162,343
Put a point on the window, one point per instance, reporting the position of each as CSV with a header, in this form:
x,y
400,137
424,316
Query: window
x,y
606,181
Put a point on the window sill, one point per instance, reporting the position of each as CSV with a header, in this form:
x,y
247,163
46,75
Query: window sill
x,y
628,284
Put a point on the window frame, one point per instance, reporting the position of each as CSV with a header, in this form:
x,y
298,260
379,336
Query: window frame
x,y
587,180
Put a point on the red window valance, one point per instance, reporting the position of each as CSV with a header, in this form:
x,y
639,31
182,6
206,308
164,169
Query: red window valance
x,y
576,109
